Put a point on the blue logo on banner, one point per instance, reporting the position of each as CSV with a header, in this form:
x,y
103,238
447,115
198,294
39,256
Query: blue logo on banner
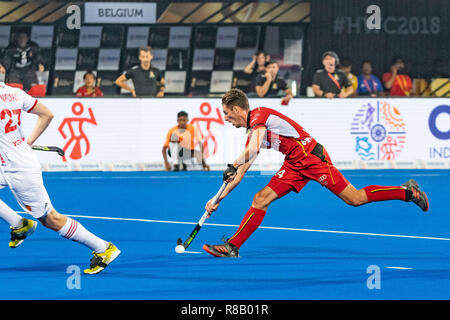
x,y
432,122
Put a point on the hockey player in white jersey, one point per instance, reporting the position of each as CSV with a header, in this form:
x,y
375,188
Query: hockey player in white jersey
x,y
20,170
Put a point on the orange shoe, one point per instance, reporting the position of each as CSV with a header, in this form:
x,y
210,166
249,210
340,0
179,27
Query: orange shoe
x,y
417,196
226,250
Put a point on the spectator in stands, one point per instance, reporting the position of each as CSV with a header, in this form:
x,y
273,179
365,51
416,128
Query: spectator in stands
x,y
346,66
396,80
368,84
21,61
180,143
330,82
147,80
257,66
89,89
268,84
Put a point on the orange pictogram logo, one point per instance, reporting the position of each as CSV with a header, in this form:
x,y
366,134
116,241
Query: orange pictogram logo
x,y
208,139
77,139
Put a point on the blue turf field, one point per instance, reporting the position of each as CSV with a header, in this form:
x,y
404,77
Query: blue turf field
x,y
296,254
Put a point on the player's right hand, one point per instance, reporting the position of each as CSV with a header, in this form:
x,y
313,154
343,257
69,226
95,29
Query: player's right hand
x,y
167,166
133,93
210,207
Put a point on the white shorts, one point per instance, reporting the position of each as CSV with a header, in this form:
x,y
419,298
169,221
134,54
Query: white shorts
x,y
29,191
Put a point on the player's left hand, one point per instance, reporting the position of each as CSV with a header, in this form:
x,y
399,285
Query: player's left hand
x,y
210,207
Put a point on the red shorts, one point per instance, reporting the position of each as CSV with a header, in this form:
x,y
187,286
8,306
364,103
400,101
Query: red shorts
x,y
294,175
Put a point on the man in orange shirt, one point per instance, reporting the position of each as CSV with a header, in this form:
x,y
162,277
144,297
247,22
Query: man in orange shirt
x,y
397,81
182,138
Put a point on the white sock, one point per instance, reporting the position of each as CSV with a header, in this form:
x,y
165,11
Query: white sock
x,y
75,231
9,215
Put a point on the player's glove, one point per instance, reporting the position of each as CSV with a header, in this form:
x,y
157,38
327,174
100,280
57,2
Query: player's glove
x,y
229,172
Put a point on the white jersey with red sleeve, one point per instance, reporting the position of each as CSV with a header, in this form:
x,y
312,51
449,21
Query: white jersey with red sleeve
x,y
283,133
15,153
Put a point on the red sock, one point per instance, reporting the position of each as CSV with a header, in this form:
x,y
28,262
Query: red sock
x,y
250,223
379,193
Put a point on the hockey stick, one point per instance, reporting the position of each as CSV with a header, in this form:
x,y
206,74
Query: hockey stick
x,y
201,221
49,148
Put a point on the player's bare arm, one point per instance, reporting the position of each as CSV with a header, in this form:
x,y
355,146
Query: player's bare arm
x,y
252,149
45,116
121,82
241,166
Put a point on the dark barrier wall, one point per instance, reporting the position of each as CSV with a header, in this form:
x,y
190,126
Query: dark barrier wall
x,y
417,30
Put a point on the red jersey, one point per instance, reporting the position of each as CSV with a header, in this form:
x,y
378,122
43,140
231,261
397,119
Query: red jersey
x,y
283,133
82,92
402,84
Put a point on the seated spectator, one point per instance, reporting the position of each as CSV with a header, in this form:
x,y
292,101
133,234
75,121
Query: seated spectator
x,y
346,66
89,89
21,61
396,80
368,84
330,82
268,84
147,80
180,143
257,66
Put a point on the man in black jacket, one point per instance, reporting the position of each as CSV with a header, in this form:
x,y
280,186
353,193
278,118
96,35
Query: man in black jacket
x,y
21,61
330,82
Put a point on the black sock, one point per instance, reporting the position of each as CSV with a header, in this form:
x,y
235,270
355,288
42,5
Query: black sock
x,y
408,195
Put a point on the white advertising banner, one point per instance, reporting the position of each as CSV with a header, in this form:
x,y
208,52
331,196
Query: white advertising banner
x,y
227,37
108,59
90,37
159,58
5,33
119,12
137,37
371,132
203,59
175,81
66,58
220,81
180,37
42,35
242,58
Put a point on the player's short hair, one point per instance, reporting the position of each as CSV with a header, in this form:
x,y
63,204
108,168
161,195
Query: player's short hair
x,y
182,114
145,49
236,97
